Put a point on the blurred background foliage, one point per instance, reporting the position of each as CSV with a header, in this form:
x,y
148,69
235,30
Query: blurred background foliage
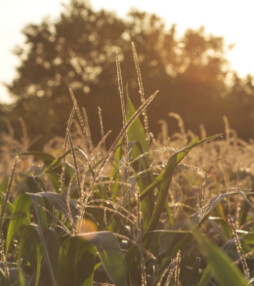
x,y
77,51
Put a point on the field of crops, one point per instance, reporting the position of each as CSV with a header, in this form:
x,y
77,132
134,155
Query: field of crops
x,y
173,210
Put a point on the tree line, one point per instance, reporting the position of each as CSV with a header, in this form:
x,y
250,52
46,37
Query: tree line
x,y
78,50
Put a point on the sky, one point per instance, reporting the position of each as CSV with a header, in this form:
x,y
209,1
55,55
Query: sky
x,y
231,19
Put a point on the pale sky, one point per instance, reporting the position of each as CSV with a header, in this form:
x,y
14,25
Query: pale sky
x,y
231,19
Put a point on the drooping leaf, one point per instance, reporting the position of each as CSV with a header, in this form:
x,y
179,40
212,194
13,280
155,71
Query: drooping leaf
x,y
53,167
59,203
56,163
46,158
200,216
33,184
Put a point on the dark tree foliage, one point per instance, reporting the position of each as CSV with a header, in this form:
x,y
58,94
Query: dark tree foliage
x,y
77,51
239,106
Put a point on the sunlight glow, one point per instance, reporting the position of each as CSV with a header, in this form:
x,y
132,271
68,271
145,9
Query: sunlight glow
x,y
232,20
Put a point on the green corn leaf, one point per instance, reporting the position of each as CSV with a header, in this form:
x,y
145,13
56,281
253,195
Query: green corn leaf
x,y
249,238
162,181
206,276
87,161
56,163
163,190
223,269
59,203
53,245
21,211
136,130
32,252
34,184
38,204
20,217
115,174
167,232
133,264
53,167
14,276
3,189
140,149
200,216
38,265
42,224
29,252
76,263
4,184
225,230
110,254
46,158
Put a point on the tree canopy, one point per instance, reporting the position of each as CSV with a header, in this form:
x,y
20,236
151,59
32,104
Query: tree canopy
x,y
78,49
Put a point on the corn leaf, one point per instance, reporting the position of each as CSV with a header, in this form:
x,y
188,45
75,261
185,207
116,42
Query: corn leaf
x,y
162,181
77,258
223,269
20,217
110,254
140,150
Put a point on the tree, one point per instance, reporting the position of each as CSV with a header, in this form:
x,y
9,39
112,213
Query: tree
x,y
239,106
77,51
